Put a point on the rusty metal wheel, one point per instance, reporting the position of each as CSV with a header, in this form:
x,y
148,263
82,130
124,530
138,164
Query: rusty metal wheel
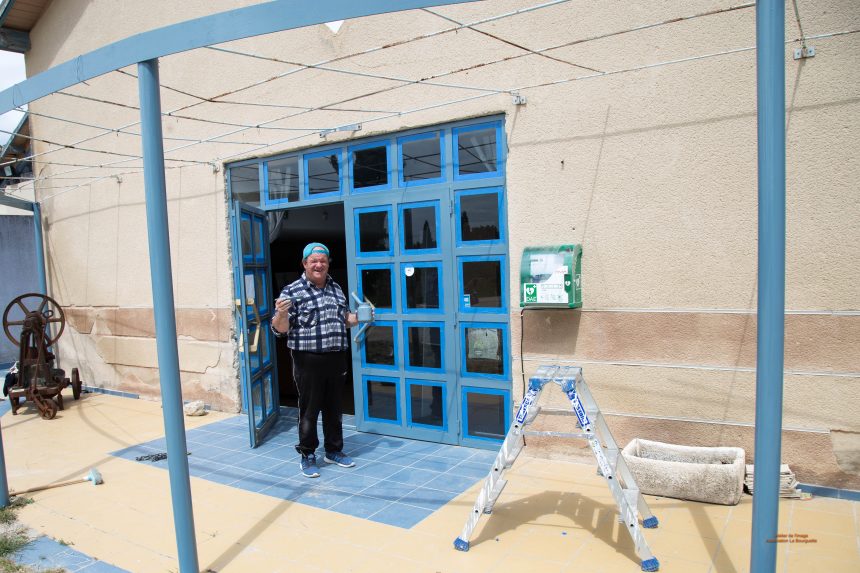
x,y
34,306
76,384
47,407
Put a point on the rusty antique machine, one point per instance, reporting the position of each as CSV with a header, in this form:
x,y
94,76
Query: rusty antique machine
x,y
38,381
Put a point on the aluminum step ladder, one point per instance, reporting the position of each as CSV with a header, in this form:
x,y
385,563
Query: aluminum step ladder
x,y
610,462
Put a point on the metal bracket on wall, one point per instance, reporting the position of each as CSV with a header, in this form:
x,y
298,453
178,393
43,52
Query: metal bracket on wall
x,y
804,52
518,99
350,127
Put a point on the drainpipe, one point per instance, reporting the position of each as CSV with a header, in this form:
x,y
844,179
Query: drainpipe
x,y
164,309
40,249
770,73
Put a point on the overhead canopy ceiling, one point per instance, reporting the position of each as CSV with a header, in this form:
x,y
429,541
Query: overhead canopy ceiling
x,y
17,18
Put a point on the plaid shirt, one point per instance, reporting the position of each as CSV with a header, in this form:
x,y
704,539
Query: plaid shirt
x,y
317,317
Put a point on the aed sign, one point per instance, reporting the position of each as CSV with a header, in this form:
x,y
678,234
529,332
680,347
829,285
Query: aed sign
x,y
550,276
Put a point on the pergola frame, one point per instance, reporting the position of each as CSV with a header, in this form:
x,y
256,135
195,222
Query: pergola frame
x,y
144,50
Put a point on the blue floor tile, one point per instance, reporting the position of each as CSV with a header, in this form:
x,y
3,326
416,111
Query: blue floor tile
x,y
322,498
430,499
377,469
413,476
388,491
452,483
470,469
360,506
46,553
352,482
401,515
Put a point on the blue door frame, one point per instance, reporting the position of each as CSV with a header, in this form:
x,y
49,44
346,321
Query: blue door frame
x,y
402,383
253,310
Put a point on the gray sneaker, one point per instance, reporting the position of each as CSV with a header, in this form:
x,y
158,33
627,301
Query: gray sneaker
x,y
338,458
309,466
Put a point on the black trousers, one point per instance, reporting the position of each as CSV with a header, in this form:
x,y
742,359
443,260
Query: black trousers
x,y
319,381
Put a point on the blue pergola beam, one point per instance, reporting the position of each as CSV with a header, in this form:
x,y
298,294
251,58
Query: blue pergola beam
x,y
201,32
770,74
9,201
155,191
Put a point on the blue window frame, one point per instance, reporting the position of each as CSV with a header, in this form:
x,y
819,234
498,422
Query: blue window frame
x,y
373,237
370,167
486,413
323,174
424,240
372,285
380,347
479,217
421,162
282,181
477,151
426,295
484,350
426,404
481,283
424,346
381,398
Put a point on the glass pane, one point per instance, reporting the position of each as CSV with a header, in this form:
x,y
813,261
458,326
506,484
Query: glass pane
x,y
323,174
427,406
373,231
422,287
257,401
370,167
260,239
284,179
267,389
486,414
482,282
381,400
376,287
379,345
246,236
422,159
245,184
260,296
425,346
479,217
484,350
419,227
477,151
265,359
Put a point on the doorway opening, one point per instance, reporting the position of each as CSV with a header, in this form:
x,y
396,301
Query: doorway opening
x,y
291,230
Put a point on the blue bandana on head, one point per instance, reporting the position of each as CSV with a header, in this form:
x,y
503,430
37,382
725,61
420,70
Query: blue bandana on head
x,y
314,248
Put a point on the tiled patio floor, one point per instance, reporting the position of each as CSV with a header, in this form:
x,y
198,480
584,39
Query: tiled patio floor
x,y
554,516
398,482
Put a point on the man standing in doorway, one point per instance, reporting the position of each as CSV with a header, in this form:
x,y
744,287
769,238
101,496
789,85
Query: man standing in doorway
x,y
313,314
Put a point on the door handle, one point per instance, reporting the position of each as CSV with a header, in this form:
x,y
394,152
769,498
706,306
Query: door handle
x,y
252,348
364,313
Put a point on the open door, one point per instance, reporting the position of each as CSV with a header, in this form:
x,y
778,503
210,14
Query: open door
x,y
254,306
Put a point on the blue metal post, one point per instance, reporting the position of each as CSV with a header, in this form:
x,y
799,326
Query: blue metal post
x,y
770,72
4,483
165,320
40,249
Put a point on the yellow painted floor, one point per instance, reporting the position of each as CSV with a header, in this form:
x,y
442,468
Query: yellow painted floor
x,y
554,516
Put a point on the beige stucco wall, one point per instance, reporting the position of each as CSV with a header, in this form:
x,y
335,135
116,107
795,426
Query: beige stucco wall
x,y
652,170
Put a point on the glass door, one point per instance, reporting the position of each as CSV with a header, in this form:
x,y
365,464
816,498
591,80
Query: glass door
x,y
405,364
253,307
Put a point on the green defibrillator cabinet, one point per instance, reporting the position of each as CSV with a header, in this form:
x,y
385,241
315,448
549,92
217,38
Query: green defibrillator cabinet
x,y
550,277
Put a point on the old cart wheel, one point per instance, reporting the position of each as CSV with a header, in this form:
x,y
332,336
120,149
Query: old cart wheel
x,y
47,407
76,384
33,304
